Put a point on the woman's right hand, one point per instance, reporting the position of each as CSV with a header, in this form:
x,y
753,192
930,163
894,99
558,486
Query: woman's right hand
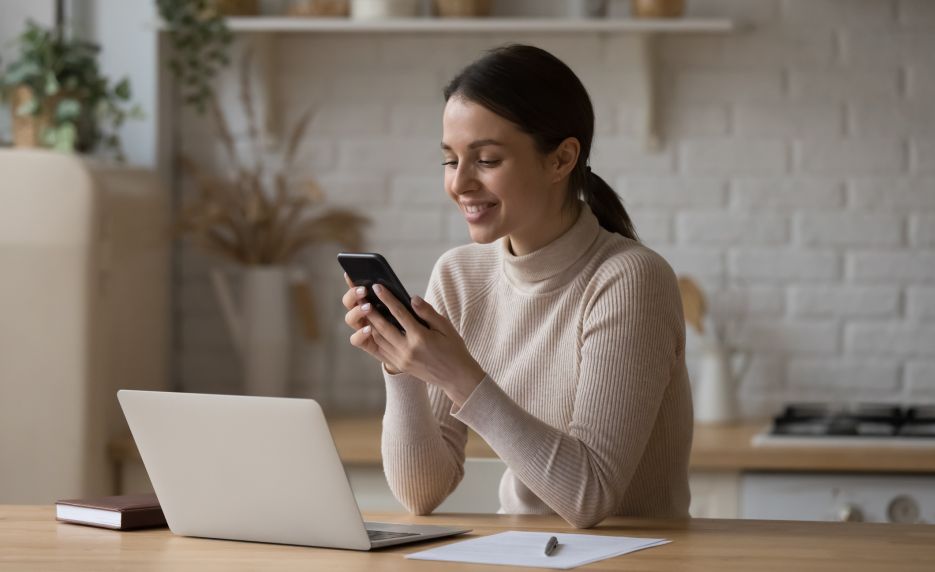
x,y
364,333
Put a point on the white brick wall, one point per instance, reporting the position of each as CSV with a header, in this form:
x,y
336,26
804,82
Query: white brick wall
x,y
797,183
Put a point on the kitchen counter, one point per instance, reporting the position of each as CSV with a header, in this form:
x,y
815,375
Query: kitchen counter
x,y
715,448
31,539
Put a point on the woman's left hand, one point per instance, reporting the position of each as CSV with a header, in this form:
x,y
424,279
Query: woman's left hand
x,y
436,355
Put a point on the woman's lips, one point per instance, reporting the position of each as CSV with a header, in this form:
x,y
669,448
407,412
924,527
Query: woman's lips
x,y
477,212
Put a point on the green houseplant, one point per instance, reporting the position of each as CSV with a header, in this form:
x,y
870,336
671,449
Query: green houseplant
x,y
59,97
200,39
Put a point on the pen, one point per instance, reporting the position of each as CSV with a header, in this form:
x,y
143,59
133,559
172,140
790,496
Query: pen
x,y
550,546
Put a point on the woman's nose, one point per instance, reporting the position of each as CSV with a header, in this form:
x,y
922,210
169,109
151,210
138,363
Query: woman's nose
x,y
462,180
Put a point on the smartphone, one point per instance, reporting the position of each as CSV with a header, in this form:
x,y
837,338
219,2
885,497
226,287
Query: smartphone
x,y
369,268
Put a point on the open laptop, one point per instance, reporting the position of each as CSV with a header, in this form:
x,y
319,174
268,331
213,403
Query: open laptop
x,y
261,469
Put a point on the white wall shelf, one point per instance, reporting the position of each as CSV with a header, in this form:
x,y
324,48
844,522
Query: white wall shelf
x,y
264,29
480,25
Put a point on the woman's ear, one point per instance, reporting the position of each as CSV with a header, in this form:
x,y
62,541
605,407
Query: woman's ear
x,y
564,158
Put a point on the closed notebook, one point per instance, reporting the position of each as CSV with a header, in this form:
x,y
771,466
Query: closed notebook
x,y
122,512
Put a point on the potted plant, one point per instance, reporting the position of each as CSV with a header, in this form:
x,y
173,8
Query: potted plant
x,y
258,217
200,39
59,97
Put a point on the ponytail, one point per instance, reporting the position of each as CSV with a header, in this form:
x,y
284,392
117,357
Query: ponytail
x,y
606,205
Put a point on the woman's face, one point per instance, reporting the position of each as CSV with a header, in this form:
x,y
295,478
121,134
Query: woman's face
x,y
502,184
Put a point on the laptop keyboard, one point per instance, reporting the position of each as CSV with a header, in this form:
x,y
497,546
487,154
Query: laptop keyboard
x,y
386,535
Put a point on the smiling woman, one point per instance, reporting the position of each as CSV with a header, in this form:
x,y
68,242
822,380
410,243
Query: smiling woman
x,y
558,337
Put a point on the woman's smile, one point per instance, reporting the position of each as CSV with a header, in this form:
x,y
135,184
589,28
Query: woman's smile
x,y
476,212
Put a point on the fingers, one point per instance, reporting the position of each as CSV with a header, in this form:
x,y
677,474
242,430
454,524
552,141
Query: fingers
x,y
363,339
356,317
369,340
383,327
396,308
352,297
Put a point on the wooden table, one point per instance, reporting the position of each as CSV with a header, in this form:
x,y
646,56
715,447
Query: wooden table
x,y
31,540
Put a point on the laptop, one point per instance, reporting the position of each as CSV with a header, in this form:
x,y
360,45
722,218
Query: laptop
x,y
261,469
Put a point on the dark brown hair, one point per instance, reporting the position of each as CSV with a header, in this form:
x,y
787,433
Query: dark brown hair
x,y
537,92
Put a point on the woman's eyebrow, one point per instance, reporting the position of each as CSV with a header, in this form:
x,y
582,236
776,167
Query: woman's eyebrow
x,y
476,144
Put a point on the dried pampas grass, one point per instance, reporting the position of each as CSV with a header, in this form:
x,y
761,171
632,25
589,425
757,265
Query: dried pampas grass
x,y
256,217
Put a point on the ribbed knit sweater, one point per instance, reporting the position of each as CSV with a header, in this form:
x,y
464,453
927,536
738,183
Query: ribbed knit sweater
x,y
586,397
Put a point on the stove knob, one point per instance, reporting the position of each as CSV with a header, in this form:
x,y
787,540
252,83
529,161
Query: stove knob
x,y
850,513
903,509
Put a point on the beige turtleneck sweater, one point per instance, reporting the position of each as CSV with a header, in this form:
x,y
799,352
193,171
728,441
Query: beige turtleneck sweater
x,y
586,397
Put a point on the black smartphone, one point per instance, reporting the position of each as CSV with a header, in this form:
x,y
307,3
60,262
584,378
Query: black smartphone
x,y
369,268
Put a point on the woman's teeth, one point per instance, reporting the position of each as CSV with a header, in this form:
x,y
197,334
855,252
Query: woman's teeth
x,y
473,209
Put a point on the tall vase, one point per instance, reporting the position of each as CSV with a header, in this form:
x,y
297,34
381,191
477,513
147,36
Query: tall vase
x,y
260,327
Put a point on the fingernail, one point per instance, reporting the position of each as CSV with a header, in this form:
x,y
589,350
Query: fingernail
x,y
367,330
416,300
361,291
365,308
378,289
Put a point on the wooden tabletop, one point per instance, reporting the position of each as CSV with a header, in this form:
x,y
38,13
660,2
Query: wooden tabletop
x,y
717,448
31,540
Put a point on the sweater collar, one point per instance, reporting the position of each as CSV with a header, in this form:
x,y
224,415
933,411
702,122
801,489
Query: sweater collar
x,y
536,270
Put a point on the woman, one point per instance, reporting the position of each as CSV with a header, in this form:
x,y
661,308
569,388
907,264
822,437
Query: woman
x,y
558,337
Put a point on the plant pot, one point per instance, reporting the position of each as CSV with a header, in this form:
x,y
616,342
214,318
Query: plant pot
x,y
463,8
657,8
260,327
380,9
27,129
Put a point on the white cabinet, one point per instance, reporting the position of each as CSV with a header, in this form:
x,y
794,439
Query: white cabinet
x,y
715,494
84,306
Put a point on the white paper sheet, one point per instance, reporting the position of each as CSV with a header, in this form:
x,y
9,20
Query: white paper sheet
x,y
520,548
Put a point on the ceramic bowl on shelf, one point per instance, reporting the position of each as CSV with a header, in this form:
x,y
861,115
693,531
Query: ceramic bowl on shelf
x,y
381,9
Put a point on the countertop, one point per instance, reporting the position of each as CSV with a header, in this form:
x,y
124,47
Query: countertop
x,y
31,540
720,448
715,448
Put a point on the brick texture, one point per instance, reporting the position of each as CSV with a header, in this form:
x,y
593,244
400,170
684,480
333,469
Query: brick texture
x,y
796,183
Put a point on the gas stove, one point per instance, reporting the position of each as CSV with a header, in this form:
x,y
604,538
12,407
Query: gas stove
x,y
857,424
873,496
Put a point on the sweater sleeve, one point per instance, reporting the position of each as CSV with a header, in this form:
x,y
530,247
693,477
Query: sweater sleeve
x,y
629,341
422,444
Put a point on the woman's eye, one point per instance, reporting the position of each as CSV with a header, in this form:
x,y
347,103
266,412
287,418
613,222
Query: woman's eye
x,y
489,162
450,163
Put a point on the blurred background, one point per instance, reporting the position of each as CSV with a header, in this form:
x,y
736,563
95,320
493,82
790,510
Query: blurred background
x,y
780,154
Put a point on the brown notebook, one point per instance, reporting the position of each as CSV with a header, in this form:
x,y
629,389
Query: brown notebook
x,y
122,512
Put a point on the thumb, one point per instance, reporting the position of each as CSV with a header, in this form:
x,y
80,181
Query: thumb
x,y
425,311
